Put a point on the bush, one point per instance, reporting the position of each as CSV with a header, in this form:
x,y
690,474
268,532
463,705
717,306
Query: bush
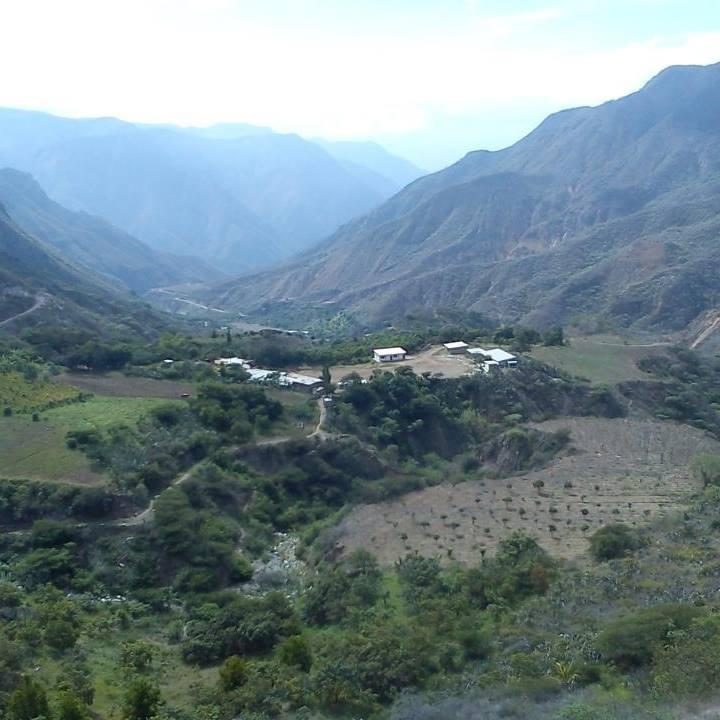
x,y
690,667
706,468
632,640
295,652
612,542
233,673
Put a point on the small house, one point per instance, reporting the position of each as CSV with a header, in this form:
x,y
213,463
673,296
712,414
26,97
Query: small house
x,y
456,348
393,354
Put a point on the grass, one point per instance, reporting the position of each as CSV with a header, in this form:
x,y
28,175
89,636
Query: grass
x,y
603,361
37,451
21,395
301,414
178,682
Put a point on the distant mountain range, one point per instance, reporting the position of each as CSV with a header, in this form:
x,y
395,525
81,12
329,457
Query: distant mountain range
x,y
37,285
605,215
237,196
91,242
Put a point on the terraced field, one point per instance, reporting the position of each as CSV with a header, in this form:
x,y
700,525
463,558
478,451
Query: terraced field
x,y
627,471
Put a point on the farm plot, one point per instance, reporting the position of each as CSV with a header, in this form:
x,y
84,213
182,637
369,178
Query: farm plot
x,y
37,450
118,385
630,471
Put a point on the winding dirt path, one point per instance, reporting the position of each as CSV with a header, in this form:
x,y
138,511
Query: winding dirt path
x,y
147,515
40,300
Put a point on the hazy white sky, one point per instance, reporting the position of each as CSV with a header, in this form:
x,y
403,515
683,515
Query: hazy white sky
x,y
429,78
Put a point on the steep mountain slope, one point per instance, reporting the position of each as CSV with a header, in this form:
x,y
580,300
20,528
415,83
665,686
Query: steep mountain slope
x,y
92,242
239,196
610,212
37,285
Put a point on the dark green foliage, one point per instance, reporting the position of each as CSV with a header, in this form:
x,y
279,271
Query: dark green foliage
x,y
142,700
521,568
633,639
99,356
687,391
420,414
28,701
338,590
689,664
70,707
243,626
137,656
233,673
236,409
295,651
553,336
613,541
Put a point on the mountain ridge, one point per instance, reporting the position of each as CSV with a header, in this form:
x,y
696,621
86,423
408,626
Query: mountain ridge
x,y
89,241
576,187
239,196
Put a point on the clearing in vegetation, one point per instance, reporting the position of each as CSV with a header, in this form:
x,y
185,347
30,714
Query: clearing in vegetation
x,y
119,385
629,471
600,359
38,450
434,360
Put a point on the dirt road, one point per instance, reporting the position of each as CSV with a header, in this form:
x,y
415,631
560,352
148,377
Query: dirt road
x,y
149,512
40,300
434,360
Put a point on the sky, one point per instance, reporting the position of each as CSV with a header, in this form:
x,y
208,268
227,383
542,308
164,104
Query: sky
x,y
429,79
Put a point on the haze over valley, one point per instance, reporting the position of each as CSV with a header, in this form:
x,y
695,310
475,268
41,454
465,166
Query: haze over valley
x,y
360,360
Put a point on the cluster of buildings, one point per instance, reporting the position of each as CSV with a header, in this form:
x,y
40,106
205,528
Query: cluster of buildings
x,y
295,381
489,359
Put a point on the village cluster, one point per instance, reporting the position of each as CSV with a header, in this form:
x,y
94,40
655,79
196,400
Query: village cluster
x,y
488,360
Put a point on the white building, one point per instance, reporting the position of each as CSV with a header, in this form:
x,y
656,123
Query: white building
x,y
495,355
456,348
284,379
393,354
234,362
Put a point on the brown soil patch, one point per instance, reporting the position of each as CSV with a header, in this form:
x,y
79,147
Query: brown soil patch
x,y
115,385
434,360
629,471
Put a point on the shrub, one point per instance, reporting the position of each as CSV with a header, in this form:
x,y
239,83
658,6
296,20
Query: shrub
x,y
632,640
233,673
295,652
613,541
706,468
689,667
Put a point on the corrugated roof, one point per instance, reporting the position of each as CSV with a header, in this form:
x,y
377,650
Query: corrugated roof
x,y
390,351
